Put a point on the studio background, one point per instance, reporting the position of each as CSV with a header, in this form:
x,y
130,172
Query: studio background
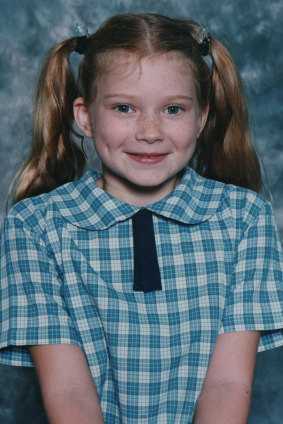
x,y
253,31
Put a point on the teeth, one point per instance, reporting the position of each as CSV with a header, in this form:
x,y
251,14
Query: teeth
x,y
144,156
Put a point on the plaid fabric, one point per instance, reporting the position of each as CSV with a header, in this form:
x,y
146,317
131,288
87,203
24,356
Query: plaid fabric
x,y
67,277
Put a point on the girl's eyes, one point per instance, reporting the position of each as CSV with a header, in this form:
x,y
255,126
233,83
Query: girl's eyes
x,y
123,108
173,110
170,110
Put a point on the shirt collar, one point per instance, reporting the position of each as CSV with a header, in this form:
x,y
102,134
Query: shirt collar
x,y
84,204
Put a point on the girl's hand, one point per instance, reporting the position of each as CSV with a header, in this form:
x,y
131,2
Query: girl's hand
x,y
67,387
226,393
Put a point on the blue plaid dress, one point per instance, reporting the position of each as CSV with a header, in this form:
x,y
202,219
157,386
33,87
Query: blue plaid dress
x,y
67,277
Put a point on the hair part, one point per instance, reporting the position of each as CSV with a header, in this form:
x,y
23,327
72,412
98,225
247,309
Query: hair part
x,y
224,150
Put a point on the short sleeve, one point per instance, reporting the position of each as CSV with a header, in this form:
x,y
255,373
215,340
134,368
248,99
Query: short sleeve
x,y
255,297
32,309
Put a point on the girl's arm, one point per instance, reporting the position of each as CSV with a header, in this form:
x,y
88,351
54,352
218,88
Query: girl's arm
x,y
67,387
226,393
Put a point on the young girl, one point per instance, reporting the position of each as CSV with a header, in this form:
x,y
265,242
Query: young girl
x,y
141,294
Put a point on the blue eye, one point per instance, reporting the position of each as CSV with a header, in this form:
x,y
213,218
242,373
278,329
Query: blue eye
x,y
123,108
173,110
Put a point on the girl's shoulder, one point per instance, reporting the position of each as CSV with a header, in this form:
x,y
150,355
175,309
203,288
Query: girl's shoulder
x,y
240,203
245,203
34,211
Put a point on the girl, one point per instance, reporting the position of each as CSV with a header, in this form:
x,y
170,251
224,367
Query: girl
x,y
143,293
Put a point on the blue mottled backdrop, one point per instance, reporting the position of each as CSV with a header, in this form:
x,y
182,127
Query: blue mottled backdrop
x,y
252,29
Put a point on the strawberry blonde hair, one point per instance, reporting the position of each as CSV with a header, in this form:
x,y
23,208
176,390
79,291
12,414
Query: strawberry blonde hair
x,y
224,150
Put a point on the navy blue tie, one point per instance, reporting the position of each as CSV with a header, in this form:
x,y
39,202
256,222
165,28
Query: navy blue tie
x,y
146,269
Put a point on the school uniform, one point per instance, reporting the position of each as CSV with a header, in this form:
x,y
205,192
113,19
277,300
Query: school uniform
x,y
75,268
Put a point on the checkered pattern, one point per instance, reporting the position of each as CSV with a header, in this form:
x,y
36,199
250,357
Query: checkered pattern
x,y
67,277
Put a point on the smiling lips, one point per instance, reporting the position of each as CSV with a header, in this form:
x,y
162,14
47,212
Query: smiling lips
x,y
148,159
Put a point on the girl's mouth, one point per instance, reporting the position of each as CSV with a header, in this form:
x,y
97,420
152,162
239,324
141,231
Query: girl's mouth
x,y
149,159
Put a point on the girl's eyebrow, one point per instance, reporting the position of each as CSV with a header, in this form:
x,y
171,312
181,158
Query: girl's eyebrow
x,y
166,98
178,97
119,95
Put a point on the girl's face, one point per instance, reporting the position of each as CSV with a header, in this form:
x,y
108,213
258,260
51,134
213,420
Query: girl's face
x,y
144,120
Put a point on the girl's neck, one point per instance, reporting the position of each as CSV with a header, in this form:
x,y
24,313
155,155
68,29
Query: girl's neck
x,y
136,195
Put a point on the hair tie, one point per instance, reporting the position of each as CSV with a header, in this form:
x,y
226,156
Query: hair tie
x,y
203,39
81,44
81,34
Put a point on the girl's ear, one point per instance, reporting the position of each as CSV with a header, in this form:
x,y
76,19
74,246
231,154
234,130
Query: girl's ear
x,y
81,114
203,119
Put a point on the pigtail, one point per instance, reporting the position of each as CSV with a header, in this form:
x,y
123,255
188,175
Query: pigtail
x,y
225,151
54,158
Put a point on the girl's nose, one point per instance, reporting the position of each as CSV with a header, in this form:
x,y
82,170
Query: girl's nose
x,y
149,129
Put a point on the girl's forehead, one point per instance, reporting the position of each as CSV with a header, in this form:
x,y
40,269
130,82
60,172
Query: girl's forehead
x,y
156,75
121,61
